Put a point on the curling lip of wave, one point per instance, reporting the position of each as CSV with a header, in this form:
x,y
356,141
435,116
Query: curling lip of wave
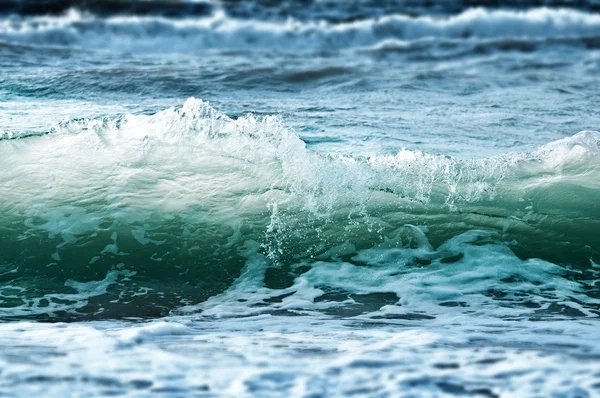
x,y
219,31
261,143
260,156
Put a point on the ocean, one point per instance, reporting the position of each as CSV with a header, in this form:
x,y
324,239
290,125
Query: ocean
x,y
316,198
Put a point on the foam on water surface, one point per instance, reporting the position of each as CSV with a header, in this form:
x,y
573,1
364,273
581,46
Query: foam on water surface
x,y
271,356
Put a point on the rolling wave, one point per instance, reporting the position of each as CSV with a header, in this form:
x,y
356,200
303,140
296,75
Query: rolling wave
x,y
219,31
144,214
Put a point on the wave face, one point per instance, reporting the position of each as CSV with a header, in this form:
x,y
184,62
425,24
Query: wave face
x,y
221,31
190,210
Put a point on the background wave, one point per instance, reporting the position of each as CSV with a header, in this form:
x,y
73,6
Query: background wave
x,y
219,31
330,10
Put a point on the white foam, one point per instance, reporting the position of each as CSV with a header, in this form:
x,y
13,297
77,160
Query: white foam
x,y
295,357
462,273
152,330
52,303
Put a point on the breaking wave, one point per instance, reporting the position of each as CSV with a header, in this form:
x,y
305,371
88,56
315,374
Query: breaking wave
x,y
219,31
142,215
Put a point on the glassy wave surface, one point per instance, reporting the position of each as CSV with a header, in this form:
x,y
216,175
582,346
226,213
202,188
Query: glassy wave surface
x,y
378,200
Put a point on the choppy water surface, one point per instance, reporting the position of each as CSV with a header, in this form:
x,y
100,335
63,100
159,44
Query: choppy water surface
x,y
278,199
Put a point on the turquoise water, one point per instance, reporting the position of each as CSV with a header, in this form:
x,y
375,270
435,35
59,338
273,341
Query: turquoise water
x,y
267,199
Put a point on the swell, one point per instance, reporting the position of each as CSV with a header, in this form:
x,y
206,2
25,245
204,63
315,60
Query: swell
x,y
138,215
219,31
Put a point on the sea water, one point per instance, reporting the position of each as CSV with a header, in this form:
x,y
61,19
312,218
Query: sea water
x,y
299,199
